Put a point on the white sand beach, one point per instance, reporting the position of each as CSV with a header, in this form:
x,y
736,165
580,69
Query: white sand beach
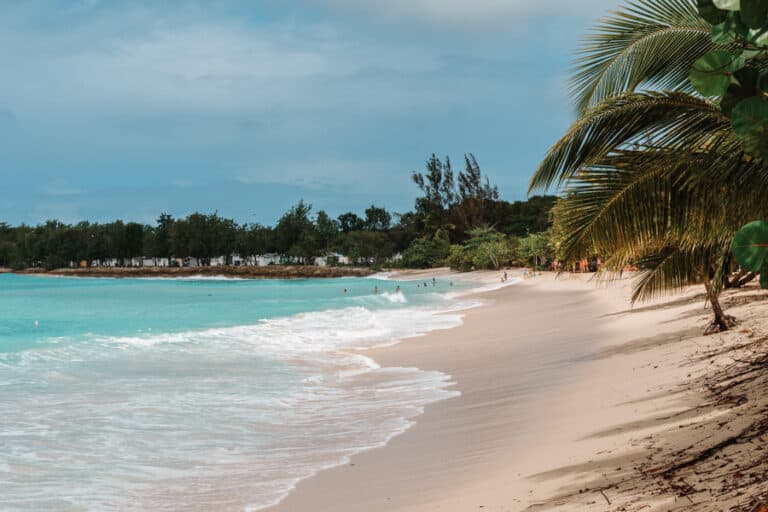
x,y
569,400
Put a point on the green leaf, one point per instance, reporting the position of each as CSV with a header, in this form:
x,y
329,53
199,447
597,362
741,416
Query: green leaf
x,y
728,5
750,246
750,123
762,81
710,13
754,13
759,38
747,80
711,74
742,87
730,30
764,278
722,34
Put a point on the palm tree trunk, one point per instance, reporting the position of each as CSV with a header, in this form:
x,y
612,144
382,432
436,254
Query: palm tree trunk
x,y
721,322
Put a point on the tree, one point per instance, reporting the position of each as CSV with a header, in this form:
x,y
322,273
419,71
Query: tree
x,y
368,247
377,219
350,222
133,240
474,194
535,249
425,253
327,231
163,236
658,178
485,249
295,234
437,185
204,237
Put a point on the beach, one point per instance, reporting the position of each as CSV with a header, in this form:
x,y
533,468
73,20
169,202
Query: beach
x,y
571,400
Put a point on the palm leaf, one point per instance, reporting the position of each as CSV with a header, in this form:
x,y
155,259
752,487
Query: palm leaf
x,y
663,119
650,44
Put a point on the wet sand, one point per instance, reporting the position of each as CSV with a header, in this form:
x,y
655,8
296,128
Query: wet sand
x,y
568,397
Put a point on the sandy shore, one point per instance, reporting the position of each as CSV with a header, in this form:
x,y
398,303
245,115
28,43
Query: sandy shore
x,y
570,400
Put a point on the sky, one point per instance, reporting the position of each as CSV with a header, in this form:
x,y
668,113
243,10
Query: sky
x,y
117,109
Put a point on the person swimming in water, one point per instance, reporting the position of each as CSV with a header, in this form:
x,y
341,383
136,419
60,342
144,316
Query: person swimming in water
x,y
397,289
375,290
345,290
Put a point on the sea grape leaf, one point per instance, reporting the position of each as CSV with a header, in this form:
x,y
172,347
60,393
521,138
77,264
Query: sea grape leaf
x,y
723,33
762,81
754,13
728,5
730,30
743,86
761,39
747,78
710,13
750,246
750,122
711,74
732,97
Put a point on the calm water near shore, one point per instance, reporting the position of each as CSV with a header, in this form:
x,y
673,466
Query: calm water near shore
x,y
161,394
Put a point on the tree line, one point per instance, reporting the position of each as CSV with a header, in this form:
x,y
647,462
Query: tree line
x,y
451,207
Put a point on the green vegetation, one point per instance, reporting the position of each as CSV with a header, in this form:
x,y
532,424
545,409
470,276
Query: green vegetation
x,y
425,253
750,248
667,158
451,207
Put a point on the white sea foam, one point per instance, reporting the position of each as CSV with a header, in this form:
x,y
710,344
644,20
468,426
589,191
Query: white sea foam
x,y
395,297
226,419
196,277
381,276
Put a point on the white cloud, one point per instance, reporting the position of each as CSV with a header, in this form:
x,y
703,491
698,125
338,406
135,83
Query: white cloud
x,y
352,175
59,188
474,12
203,68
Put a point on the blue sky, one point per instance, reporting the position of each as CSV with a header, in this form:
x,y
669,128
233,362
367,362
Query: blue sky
x,y
114,109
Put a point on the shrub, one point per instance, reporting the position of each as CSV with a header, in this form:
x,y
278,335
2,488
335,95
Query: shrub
x,y
425,253
487,250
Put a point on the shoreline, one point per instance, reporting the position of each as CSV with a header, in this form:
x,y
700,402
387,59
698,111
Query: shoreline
x,y
242,272
444,434
566,395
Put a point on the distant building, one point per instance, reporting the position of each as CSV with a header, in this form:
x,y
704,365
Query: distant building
x,y
267,259
330,260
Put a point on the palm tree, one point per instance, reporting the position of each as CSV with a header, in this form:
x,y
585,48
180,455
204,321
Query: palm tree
x,y
658,176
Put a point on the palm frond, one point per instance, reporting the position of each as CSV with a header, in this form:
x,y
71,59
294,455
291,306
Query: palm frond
x,y
649,43
669,269
665,119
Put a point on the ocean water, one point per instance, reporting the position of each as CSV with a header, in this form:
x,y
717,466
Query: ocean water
x,y
200,394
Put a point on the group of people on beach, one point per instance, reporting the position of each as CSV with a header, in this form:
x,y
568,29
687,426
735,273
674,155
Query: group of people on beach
x,y
527,273
418,285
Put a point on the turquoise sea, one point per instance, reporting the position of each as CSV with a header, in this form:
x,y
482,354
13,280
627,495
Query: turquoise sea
x,y
200,394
